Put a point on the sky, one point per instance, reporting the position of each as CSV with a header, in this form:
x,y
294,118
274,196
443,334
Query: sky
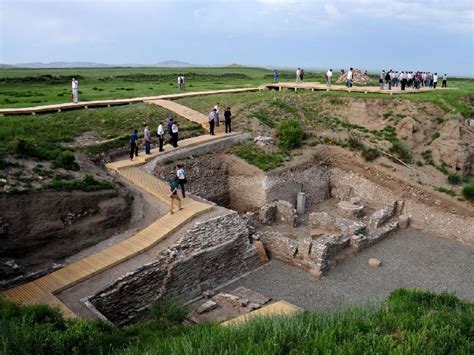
x,y
430,35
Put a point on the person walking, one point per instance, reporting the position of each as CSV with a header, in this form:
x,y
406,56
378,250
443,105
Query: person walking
x,y
175,133
298,75
276,76
302,75
181,178
435,80
212,121
328,78
134,144
349,78
183,84
174,194
147,139
217,114
160,132
179,81
381,79
75,90
404,80
388,80
445,81
227,119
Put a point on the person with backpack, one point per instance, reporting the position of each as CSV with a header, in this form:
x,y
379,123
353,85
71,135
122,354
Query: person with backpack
x,y
181,178
174,194
134,144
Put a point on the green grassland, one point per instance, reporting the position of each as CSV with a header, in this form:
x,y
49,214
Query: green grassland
x,y
33,87
409,322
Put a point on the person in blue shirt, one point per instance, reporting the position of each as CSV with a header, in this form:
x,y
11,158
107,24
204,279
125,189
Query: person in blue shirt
x,y
134,144
276,75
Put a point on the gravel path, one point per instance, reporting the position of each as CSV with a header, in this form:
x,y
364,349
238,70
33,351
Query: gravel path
x,y
409,259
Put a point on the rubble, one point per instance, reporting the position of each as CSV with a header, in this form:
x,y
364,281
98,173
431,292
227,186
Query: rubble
x,y
358,77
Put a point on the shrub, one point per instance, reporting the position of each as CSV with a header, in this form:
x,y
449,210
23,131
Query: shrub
x,y
290,133
370,154
87,183
355,143
446,191
255,155
167,313
66,160
401,151
454,179
435,135
468,191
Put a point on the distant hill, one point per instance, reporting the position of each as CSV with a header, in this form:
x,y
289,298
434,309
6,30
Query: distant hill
x,y
7,66
175,64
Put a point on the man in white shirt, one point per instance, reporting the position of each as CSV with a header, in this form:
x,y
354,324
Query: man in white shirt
x,y
75,90
174,131
328,78
298,75
445,81
349,78
179,82
181,178
147,139
217,114
212,121
435,80
160,132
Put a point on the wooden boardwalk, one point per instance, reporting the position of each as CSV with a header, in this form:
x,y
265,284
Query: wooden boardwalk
x,y
279,308
44,289
323,87
183,111
107,103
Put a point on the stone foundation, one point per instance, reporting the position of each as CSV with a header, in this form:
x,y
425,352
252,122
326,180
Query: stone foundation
x,y
210,255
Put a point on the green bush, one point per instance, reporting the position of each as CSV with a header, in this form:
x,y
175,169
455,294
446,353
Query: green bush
x,y
66,160
255,155
410,322
87,183
290,133
454,179
401,151
468,191
444,190
168,313
370,154
28,149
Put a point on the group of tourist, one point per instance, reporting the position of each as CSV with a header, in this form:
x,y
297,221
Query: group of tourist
x,y
172,131
181,85
180,178
410,79
213,119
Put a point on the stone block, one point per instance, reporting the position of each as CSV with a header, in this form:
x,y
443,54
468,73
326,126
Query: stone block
x,y
229,299
251,295
358,242
404,221
373,262
267,214
207,306
381,216
261,251
350,210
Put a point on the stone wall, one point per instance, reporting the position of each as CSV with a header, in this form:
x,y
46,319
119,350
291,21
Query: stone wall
x,y
311,178
209,255
431,219
207,176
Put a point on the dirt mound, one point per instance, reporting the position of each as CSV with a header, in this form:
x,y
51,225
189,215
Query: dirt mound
x,y
358,77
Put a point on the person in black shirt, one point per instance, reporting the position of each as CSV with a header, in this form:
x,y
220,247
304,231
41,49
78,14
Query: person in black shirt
x,y
228,117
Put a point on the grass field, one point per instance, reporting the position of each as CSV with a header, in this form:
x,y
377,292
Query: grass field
x,y
410,322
